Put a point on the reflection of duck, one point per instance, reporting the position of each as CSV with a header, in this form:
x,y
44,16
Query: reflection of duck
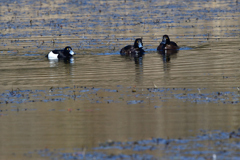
x,y
139,73
168,54
64,72
65,54
54,62
134,51
166,44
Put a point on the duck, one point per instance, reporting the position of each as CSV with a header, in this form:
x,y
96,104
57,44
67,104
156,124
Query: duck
x,y
66,53
134,51
166,44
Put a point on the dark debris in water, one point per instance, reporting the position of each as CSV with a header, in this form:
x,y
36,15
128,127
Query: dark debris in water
x,y
140,96
88,156
207,145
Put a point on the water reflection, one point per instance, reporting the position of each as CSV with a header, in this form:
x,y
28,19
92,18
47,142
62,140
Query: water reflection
x,y
138,60
168,54
61,71
139,73
54,62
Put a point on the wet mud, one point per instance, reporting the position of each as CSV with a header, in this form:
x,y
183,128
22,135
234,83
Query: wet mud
x,y
78,93
206,145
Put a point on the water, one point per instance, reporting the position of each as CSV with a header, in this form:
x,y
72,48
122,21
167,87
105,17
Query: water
x,y
102,101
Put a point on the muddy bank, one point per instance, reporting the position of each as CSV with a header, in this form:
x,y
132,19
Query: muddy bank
x,y
207,145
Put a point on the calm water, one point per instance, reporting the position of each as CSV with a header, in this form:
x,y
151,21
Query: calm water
x,y
102,96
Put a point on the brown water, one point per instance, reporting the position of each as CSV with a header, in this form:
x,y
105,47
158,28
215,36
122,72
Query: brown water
x,y
48,115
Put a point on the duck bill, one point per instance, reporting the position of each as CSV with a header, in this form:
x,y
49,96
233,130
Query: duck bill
x,y
164,41
72,53
140,45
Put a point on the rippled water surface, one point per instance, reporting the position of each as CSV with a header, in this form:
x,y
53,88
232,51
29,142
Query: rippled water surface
x,y
104,106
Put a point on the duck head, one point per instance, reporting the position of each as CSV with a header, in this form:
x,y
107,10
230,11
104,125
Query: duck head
x,y
165,39
138,43
69,50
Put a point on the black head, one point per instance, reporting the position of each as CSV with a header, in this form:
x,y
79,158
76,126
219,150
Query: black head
x,y
69,50
138,43
165,39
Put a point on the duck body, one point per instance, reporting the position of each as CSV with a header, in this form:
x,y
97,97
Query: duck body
x,y
66,53
166,44
135,50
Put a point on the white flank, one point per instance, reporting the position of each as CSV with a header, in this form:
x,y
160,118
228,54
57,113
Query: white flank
x,y
51,55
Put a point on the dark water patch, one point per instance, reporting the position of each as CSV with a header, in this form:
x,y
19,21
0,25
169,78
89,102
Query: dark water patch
x,y
94,155
32,55
185,48
135,102
157,107
110,90
113,53
192,147
140,95
214,144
